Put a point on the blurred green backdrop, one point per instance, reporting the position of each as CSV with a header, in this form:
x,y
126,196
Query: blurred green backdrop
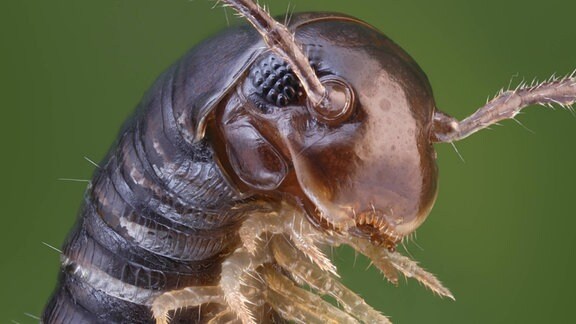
x,y
501,234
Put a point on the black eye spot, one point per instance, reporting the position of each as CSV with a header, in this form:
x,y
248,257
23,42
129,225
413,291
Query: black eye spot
x,y
281,100
274,82
258,81
289,93
272,96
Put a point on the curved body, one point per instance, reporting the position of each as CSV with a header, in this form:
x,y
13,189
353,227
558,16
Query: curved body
x,y
164,210
159,214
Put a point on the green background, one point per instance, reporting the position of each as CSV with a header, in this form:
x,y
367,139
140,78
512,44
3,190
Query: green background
x,y
501,235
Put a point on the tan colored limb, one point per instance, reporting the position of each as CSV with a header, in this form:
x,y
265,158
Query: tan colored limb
x,y
506,105
224,317
297,304
303,235
380,261
255,226
236,271
300,268
411,269
187,297
304,238
284,306
385,260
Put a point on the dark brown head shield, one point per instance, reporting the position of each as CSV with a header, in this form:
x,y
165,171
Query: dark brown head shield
x,y
367,165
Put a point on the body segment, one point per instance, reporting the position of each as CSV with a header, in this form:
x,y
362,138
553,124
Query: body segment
x,y
164,210
159,214
220,192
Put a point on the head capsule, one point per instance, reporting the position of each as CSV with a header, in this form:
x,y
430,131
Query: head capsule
x,y
361,163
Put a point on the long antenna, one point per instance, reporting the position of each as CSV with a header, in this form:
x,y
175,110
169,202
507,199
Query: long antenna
x,y
281,41
506,105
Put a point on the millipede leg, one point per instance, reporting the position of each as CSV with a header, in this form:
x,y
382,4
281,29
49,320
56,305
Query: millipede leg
x,y
302,234
226,316
411,269
297,304
303,240
235,270
299,267
254,226
286,308
187,297
384,259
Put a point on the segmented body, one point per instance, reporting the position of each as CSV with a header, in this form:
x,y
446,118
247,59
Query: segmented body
x,y
184,225
159,214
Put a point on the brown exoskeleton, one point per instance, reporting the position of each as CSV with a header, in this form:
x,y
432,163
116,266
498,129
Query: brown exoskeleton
x,y
222,190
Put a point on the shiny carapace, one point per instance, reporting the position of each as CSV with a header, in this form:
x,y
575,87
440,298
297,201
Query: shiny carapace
x,y
259,147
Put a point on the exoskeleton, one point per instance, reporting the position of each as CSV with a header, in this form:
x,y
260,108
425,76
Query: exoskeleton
x,y
250,154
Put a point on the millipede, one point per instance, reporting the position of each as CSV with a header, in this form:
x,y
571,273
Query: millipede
x,y
259,148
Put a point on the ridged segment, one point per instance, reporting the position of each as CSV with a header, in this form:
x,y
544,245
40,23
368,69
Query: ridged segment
x,y
157,217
